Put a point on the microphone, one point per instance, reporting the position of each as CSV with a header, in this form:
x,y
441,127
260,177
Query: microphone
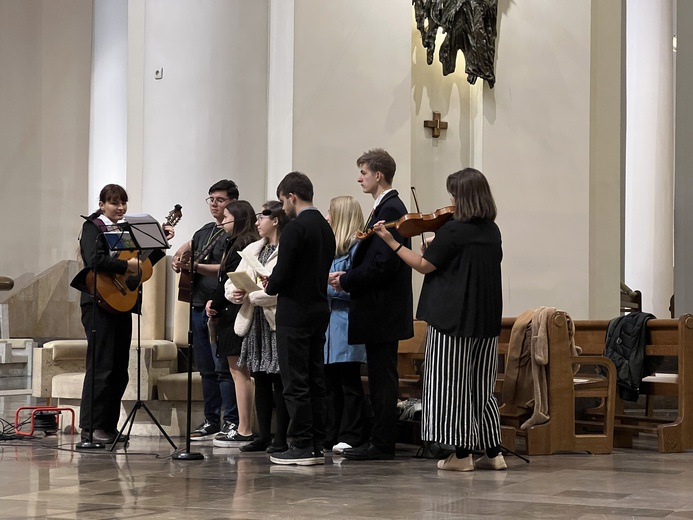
x,y
264,212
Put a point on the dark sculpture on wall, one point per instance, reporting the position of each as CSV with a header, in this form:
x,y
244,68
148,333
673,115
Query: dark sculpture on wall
x,y
469,26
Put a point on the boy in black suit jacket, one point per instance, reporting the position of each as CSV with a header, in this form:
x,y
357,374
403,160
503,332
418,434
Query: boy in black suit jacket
x,y
306,249
381,307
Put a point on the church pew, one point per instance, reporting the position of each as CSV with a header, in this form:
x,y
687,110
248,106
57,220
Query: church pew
x,y
665,337
673,338
668,338
560,432
410,355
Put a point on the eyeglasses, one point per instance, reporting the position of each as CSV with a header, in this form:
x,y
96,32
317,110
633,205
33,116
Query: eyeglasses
x,y
264,213
215,200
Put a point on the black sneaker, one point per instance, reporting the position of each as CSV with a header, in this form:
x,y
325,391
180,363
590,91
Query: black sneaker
x,y
204,432
226,429
277,448
299,456
367,452
256,445
233,439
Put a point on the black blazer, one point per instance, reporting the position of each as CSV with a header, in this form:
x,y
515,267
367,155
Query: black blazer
x,y
379,284
306,250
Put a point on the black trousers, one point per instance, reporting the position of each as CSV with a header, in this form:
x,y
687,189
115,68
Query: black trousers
x,y
345,418
301,358
384,386
269,394
110,354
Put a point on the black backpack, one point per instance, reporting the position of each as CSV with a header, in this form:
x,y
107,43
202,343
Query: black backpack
x,y
626,338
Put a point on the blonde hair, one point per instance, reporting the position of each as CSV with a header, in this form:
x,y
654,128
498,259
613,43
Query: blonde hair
x,y
346,218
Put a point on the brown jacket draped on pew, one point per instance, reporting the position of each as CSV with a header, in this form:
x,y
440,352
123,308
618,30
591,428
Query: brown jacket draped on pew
x,y
525,381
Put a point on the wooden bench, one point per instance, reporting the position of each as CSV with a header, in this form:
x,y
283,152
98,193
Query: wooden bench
x,y
631,301
561,432
410,356
668,338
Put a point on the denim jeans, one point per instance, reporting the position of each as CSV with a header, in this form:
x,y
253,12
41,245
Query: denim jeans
x,y
217,384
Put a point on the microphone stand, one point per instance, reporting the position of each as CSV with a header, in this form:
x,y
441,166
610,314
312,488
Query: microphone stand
x,y
187,454
130,421
90,444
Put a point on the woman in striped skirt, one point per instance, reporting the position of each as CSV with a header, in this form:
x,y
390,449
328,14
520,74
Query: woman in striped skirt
x,y
461,300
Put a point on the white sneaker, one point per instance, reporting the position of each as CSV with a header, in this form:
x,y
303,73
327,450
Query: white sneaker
x,y
497,462
452,463
338,448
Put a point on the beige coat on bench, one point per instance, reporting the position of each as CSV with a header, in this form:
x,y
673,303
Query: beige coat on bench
x,y
528,354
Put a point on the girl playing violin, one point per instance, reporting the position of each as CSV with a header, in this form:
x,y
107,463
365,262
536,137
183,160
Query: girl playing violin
x,y
461,301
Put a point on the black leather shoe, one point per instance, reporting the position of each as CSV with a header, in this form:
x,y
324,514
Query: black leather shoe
x,y
366,452
277,448
100,435
122,438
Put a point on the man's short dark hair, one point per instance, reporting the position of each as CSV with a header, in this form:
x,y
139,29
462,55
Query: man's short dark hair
x,y
226,185
378,160
297,183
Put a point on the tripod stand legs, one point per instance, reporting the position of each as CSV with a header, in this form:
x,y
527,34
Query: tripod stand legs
x,y
130,421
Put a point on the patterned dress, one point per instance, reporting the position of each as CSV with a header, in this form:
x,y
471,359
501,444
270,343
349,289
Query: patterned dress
x,y
259,349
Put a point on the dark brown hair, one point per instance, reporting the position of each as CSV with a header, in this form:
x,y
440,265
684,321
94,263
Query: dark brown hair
x,y
113,193
243,218
297,183
472,194
378,160
274,209
226,185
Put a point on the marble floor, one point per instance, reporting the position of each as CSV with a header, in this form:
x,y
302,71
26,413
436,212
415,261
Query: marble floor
x,y
45,477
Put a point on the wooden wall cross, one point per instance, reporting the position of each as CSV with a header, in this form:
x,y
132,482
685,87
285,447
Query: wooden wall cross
x,y
436,125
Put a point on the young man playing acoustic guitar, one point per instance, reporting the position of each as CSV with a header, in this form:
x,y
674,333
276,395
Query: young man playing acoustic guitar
x,y
217,384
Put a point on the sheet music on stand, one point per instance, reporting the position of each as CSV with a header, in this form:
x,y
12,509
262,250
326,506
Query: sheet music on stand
x,y
139,231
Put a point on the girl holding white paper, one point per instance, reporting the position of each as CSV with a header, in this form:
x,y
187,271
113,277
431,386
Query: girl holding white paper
x,y
256,324
238,225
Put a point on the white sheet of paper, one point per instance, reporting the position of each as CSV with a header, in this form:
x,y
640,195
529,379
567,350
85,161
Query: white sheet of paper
x,y
254,263
242,281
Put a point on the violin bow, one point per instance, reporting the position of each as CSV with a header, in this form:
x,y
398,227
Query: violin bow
x,y
416,203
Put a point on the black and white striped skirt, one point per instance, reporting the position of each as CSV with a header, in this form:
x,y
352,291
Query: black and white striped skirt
x,y
458,406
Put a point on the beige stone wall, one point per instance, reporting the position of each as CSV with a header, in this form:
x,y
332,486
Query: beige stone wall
x,y
46,306
45,62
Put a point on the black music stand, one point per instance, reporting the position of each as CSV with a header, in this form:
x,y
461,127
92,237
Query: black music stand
x,y
186,454
140,232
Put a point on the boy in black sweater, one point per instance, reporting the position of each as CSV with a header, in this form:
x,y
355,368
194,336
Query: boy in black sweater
x,y
306,250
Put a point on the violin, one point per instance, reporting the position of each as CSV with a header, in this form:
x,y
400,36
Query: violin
x,y
415,223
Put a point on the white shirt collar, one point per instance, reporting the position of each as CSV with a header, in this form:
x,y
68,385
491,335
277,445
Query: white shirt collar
x,y
380,197
108,221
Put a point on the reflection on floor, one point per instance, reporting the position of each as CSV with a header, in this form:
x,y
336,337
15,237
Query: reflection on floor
x,y
45,478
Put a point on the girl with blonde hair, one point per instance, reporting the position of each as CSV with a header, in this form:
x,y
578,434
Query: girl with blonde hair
x,y
345,414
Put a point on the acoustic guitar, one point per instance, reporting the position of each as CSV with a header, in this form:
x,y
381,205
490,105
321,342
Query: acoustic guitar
x,y
185,279
118,292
